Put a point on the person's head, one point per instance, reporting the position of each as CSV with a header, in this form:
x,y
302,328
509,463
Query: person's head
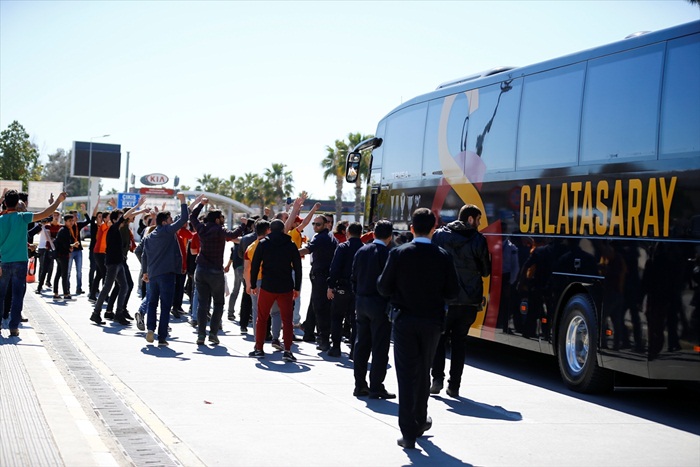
x,y
340,227
297,221
216,216
21,206
383,230
423,222
277,225
319,223
283,216
115,215
470,215
55,217
355,230
11,199
329,219
164,218
262,227
68,220
24,196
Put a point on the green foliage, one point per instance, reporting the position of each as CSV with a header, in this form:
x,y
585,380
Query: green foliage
x,y
57,169
20,158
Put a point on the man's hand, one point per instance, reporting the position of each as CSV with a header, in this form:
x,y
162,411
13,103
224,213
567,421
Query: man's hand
x,y
50,197
142,200
254,292
226,269
205,200
295,295
145,277
329,294
181,198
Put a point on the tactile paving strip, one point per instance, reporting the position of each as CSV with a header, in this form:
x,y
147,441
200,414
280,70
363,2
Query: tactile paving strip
x,y
138,443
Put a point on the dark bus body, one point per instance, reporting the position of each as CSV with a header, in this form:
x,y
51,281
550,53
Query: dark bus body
x,y
587,168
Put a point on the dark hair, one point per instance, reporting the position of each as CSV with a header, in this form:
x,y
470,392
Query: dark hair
x,y
261,226
11,198
67,217
277,225
383,229
213,215
114,215
355,229
467,211
423,221
162,217
328,216
340,227
23,196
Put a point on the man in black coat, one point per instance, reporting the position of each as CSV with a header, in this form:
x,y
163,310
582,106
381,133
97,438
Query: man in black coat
x,y
373,328
418,278
470,254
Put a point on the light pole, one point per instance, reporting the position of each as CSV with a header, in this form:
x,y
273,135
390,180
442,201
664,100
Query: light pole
x,y
90,172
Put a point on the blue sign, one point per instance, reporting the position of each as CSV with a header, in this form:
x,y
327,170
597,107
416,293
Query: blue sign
x,y
127,200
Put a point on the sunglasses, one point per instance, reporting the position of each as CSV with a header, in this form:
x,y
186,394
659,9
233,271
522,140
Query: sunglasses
x,y
317,224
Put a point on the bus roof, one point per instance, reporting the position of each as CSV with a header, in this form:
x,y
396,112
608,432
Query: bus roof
x,y
497,75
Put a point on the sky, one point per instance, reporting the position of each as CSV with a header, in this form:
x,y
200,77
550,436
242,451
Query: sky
x,y
225,88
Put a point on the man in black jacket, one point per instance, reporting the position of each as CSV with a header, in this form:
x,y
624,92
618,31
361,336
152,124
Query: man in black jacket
x,y
65,243
418,278
277,255
372,321
472,261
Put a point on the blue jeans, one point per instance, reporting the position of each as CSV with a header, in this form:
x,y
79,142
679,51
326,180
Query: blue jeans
x,y
77,256
163,287
14,275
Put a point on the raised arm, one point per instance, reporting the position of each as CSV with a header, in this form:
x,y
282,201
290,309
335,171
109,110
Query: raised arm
x,y
131,211
50,210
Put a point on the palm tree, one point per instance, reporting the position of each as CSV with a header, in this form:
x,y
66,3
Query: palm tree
x,y
281,183
228,187
355,139
334,165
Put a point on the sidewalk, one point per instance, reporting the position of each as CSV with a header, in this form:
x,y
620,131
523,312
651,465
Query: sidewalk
x,y
76,394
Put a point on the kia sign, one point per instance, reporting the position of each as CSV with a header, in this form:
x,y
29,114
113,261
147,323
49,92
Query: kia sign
x,y
154,179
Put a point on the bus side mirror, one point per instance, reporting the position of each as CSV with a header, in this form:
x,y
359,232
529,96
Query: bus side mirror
x,y
352,167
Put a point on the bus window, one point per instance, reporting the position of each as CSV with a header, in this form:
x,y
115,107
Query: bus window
x,y
549,118
492,127
680,105
403,145
620,106
431,159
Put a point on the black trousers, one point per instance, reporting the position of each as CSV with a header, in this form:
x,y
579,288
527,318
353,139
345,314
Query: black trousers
x,y
342,306
459,320
62,274
322,306
116,292
45,266
101,273
373,336
415,341
179,291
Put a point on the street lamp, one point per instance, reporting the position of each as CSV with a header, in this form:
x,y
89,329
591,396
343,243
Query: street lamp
x,y
90,172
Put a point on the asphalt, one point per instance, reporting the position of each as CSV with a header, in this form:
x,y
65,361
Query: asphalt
x,y
73,393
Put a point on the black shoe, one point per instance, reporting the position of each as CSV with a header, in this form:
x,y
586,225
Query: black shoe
x,y
95,318
109,315
383,394
244,330
123,321
193,323
48,284
231,317
452,392
323,347
38,291
289,357
14,332
200,340
56,296
437,386
139,322
406,443
79,292
257,354
334,351
162,343
24,320
127,315
426,426
175,313
361,392
92,299
309,338
67,297
213,339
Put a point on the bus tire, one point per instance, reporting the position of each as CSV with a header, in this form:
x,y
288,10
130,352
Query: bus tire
x,y
578,348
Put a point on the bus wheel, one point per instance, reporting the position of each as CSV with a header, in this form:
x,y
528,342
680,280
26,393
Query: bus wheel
x,y
578,346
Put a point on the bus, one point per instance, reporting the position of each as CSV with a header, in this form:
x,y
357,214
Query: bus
x,y
586,169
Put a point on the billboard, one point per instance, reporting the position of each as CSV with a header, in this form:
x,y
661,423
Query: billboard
x,y
40,192
106,160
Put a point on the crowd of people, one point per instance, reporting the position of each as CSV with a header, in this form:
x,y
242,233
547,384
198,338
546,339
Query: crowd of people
x,y
425,287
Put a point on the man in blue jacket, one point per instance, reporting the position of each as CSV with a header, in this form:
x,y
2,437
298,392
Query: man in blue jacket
x,y
161,260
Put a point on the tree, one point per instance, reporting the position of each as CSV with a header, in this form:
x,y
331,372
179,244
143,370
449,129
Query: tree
x,y
334,165
281,183
57,169
355,139
20,158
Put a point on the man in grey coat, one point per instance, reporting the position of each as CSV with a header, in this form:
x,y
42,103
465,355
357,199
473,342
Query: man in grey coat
x,y
161,260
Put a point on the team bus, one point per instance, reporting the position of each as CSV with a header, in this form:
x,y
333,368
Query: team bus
x,y
587,171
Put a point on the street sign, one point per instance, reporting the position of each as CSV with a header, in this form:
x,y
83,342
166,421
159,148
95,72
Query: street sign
x,y
157,191
127,200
